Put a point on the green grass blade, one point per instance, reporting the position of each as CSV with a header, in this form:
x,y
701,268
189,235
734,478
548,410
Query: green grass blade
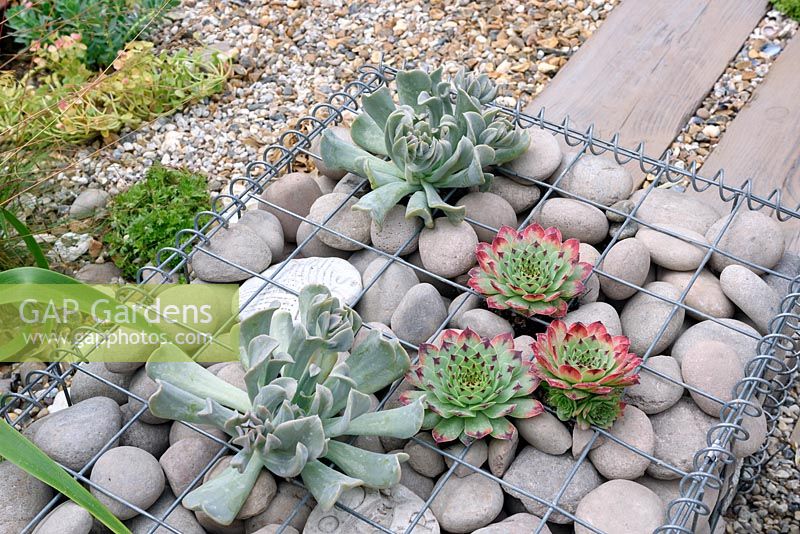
x,y
15,448
26,236
32,283
35,275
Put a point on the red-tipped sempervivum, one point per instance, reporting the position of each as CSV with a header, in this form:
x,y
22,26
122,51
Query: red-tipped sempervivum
x,y
471,385
585,370
531,272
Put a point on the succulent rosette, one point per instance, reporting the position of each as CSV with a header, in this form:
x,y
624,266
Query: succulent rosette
x,y
585,370
472,385
531,272
436,137
299,396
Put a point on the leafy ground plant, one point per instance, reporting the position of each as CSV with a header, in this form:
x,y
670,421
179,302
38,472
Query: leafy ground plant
x,y
146,217
60,100
105,26
788,7
299,397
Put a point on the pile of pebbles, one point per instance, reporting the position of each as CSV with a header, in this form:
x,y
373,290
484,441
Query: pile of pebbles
x,y
156,459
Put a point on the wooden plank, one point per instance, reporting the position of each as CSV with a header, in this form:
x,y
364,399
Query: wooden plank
x,y
762,143
648,67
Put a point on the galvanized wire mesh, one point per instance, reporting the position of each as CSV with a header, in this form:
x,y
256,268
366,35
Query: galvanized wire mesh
x,y
765,387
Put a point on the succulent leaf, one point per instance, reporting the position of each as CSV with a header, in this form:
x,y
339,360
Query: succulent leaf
x,y
264,365
171,402
471,383
326,484
531,272
585,370
379,201
353,159
170,364
448,429
379,106
223,496
418,207
357,404
340,384
366,133
410,84
509,142
377,362
376,470
477,87
252,327
285,463
402,422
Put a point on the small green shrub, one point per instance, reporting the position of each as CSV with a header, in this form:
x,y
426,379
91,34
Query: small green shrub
x,y
145,218
105,25
790,8
60,100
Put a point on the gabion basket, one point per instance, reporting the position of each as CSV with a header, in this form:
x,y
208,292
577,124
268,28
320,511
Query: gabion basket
x,y
768,376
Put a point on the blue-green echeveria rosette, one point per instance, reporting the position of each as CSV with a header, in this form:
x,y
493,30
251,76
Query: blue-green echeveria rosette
x,y
433,143
298,397
472,385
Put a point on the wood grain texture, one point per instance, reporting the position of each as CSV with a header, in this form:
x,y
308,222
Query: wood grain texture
x,y
762,143
648,67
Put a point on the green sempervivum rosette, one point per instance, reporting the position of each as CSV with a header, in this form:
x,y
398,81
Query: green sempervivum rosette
x,y
438,137
585,370
297,398
531,272
472,385
598,410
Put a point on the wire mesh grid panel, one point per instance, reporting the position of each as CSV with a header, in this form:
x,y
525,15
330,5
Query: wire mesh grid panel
x,y
706,482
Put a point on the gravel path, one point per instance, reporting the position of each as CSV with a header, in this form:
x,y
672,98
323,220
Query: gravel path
x,y
774,504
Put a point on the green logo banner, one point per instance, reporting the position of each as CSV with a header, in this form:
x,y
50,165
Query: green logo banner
x,y
117,323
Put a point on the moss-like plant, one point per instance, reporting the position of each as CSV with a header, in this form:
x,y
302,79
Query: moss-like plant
x,y
146,217
790,8
433,142
298,398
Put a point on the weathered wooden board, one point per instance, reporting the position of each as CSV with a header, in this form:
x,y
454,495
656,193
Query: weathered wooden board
x,y
762,143
648,67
